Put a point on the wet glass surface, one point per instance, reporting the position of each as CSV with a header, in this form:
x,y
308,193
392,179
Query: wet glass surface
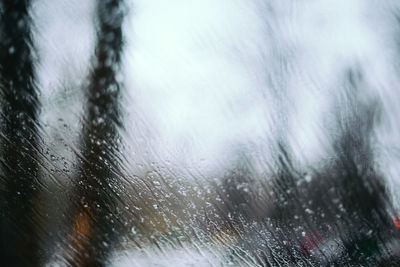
x,y
199,133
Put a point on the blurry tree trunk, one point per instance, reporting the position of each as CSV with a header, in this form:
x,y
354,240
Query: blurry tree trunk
x,y
95,222
19,139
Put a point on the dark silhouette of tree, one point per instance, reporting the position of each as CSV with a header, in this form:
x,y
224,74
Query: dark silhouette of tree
x,y
95,225
344,199
19,238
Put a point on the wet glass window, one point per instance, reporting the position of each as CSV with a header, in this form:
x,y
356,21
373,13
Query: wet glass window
x,y
199,133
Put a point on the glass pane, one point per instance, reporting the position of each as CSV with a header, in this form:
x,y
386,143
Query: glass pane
x,y
199,133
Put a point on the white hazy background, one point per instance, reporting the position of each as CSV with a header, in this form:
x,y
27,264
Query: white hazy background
x,y
206,79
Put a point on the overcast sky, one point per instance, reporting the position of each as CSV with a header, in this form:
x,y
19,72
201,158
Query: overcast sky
x,y
204,79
